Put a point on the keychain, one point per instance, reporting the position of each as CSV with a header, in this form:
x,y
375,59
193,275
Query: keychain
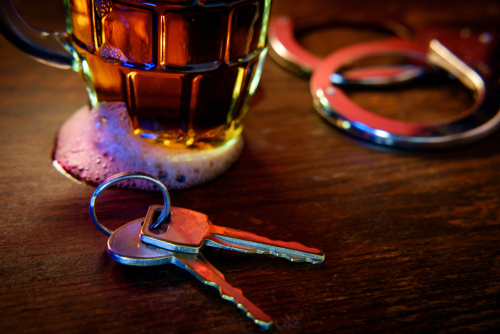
x,y
176,235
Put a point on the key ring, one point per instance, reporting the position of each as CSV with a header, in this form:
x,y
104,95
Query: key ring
x,y
125,176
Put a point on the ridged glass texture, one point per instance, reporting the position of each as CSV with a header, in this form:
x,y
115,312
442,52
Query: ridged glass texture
x,y
186,69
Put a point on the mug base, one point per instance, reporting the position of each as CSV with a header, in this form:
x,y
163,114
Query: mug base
x,y
96,143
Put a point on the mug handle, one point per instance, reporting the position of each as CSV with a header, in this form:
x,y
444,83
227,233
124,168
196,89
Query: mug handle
x,y
44,46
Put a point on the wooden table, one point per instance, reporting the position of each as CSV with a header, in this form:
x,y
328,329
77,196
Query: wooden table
x,y
412,239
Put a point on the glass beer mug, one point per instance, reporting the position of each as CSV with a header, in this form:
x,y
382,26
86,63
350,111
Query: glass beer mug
x,y
186,69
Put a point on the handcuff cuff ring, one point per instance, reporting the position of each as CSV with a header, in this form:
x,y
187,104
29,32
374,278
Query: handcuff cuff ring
x,y
474,123
288,53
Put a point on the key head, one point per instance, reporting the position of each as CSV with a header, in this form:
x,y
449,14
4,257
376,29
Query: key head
x,y
125,246
185,232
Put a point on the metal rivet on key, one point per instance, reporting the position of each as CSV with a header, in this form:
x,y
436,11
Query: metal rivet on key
x,y
186,233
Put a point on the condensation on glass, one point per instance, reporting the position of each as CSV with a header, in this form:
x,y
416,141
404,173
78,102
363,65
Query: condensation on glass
x,y
186,69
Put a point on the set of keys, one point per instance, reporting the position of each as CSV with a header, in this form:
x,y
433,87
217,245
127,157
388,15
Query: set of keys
x,y
176,236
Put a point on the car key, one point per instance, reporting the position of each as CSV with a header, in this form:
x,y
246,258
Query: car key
x,y
188,231
125,246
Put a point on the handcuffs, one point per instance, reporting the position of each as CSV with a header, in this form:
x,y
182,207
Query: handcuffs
x,y
463,55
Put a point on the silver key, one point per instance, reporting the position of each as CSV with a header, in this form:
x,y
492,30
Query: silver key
x,y
125,246
188,231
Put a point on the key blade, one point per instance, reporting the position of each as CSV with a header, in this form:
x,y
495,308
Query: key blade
x,y
246,242
212,268
197,266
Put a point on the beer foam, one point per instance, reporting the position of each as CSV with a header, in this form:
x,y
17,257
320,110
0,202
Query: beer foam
x,y
96,143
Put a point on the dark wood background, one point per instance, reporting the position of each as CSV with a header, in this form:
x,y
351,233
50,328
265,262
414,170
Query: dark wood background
x,y
412,239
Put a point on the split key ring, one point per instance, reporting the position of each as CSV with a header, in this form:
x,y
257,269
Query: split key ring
x,y
124,176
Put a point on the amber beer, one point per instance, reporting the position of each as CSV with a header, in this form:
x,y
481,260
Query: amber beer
x,y
186,69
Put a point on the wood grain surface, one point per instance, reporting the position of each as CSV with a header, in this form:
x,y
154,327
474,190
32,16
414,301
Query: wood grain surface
x,y
412,239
